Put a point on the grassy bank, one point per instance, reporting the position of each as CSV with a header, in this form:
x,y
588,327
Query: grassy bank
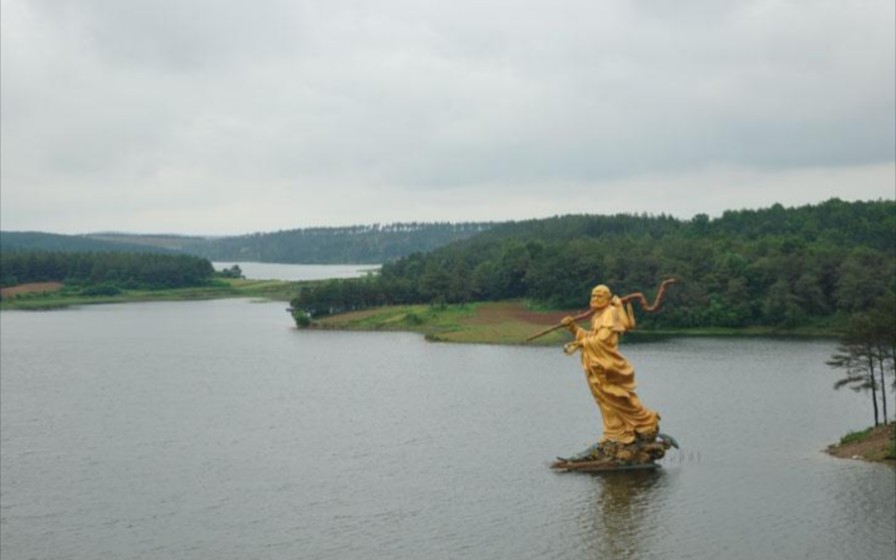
x,y
66,296
496,323
873,444
507,322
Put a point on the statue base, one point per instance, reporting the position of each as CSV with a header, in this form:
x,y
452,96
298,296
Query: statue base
x,y
599,466
643,453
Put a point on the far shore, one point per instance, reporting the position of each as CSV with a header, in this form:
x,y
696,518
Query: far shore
x,y
501,322
507,322
55,295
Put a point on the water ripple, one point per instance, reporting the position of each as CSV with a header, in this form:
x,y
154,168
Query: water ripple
x,y
209,430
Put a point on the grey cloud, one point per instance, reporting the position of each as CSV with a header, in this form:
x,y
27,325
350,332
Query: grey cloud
x,y
195,98
172,35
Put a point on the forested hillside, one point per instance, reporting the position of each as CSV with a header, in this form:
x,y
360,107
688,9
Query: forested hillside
x,y
364,244
115,270
360,244
770,267
166,242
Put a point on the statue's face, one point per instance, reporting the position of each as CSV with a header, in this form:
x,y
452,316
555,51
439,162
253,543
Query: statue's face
x,y
600,297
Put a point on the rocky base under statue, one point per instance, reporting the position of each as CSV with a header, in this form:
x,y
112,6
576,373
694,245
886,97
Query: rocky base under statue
x,y
643,453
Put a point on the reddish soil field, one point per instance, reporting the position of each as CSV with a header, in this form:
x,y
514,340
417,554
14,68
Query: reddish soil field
x,y
515,311
33,288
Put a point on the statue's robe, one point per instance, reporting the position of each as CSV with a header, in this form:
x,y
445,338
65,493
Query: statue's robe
x,y
611,377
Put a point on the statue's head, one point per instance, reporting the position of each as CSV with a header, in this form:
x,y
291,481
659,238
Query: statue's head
x,y
600,297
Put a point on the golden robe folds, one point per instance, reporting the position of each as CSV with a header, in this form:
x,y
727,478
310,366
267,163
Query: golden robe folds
x,y
610,376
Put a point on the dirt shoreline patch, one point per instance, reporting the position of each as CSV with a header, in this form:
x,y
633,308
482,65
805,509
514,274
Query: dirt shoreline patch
x,y
33,288
515,311
874,447
505,322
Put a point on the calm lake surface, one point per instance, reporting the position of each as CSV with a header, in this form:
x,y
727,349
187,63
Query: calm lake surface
x,y
293,272
216,430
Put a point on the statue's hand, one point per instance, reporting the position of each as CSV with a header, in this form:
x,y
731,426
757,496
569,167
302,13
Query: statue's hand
x,y
571,347
570,324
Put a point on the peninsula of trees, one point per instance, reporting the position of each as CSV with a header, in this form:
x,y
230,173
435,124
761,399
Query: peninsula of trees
x,y
104,273
775,267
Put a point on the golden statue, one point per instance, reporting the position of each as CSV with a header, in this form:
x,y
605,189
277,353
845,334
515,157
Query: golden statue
x,y
630,430
610,376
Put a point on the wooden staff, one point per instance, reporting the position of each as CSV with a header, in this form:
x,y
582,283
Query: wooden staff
x,y
661,291
577,318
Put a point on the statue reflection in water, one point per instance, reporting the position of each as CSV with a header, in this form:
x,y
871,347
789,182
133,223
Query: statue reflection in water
x,y
624,515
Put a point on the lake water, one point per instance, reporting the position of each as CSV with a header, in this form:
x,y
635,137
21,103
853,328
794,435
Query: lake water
x,y
294,272
216,430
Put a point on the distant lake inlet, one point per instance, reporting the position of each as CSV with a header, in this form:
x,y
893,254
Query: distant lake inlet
x,y
295,272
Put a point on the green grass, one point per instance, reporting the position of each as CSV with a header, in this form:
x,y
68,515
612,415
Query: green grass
x,y
429,320
879,443
484,322
891,449
855,437
497,323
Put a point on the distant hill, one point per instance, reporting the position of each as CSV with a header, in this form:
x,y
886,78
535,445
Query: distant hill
x,y
159,240
13,241
361,244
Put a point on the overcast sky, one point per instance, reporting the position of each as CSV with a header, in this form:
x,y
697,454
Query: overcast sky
x,y
226,117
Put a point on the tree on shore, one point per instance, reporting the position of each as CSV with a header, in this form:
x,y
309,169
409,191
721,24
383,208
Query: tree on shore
x,y
867,353
233,272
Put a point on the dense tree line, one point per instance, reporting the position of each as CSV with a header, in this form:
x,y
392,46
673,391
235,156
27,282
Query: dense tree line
x,y
777,266
124,270
362,244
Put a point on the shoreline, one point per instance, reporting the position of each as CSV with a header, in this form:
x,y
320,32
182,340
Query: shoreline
x,y
499,322
43,296
510,322
873,445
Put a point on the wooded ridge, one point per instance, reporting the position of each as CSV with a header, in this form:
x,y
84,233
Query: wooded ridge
x,y
362,244
357,244
779,267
